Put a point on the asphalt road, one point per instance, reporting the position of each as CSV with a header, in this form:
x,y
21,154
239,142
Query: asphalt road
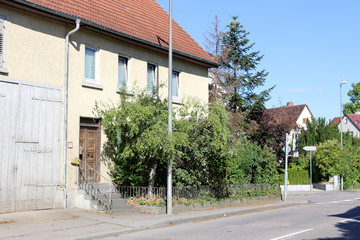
x,y
329,217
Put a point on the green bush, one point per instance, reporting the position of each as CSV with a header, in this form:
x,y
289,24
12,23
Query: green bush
x,y
296,177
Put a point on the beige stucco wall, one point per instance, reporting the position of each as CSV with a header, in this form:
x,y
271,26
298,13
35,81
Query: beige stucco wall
x,y
35,48
35,52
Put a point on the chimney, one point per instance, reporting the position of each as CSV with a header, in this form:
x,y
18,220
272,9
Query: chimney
x,y
290,104
357,112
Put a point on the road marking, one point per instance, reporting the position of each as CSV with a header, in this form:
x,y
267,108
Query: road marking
x,y
292,234
348,219
346,200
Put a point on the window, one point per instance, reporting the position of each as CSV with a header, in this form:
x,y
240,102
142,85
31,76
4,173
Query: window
x,y
90,61
346,121
175,86
151,77
123,72
2,44
90,68
305,120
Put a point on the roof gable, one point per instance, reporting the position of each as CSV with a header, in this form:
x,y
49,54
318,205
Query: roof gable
x,y
144,20
354,119
286,113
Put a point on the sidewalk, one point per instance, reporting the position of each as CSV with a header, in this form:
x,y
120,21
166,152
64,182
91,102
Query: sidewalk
x,y
79,224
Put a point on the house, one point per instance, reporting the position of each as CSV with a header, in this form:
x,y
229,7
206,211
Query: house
x,y
57,57
350,123
294,116
297,115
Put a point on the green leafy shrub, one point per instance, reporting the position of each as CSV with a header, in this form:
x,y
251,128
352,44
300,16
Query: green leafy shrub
x,y
296,177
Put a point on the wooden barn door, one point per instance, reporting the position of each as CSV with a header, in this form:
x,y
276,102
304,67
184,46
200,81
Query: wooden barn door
x,y
30,149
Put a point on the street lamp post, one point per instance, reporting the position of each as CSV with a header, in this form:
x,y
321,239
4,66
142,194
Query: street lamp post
x,y
169,180
341,131
341,114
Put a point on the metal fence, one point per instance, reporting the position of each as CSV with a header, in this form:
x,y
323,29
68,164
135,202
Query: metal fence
x,y
189,192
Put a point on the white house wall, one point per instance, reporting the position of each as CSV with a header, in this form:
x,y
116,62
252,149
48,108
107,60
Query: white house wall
x,y
347,126
304,114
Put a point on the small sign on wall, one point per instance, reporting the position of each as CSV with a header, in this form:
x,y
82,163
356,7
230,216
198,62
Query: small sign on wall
x,y
70,145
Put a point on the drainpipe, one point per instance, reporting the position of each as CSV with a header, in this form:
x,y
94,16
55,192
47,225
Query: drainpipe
x,y
66,106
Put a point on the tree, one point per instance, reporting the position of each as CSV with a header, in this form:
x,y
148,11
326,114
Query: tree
x,y
202,141
239,71
320,131
138,145
354,94
217,88
236,79
327,159
272,130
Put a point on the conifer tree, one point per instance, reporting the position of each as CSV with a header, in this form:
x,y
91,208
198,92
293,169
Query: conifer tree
x,y
239,63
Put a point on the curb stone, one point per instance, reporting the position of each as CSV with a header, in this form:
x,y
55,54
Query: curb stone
x,y
202,218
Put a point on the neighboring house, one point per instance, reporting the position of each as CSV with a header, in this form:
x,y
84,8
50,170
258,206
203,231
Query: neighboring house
x,y
296,116
350,123
119,43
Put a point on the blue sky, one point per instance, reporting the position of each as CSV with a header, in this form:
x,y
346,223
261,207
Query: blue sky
x,y
309,46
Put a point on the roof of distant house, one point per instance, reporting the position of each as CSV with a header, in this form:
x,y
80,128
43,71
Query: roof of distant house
x,y
336,120
288,113
144,21
354,118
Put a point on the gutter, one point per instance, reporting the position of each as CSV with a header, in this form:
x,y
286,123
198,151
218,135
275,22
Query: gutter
x,y
66,107
206,62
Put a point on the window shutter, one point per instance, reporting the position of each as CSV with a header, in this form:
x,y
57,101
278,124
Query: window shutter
x,y
2,33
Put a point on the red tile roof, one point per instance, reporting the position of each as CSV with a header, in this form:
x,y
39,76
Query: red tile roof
x,y
355,118
336,120
286,113
145,20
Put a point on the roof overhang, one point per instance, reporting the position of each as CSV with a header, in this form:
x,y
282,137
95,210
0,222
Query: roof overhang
x,y
70,19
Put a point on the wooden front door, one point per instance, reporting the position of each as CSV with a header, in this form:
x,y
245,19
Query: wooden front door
x,y
90,153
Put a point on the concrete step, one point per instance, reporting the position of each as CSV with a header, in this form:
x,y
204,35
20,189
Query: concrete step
x,y
100,200
116,195
102,187
124,211
121,206
118,201
96,206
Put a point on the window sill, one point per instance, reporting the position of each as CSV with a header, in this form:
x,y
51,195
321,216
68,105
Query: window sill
x,y
127,91
176,101
152,95
90,84
4,70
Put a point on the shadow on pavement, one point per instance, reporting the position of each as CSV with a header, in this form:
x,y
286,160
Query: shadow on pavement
x,y
349,226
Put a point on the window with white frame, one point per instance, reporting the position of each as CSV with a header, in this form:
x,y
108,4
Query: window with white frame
x,y
175,86
123,72
90,63
151,77
2,44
